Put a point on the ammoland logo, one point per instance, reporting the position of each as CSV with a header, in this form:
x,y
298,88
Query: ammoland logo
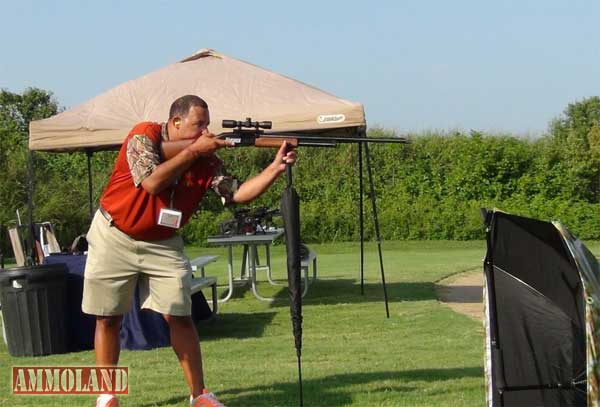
x,y
69,380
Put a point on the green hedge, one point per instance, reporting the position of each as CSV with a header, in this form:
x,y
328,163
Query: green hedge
x,y
432,188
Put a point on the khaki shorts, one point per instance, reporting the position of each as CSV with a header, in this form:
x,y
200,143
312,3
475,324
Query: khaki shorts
x,y
116,262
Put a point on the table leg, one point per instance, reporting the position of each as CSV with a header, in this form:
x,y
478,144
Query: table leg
x,y
268,256
252,270
305,270
229,272
243,270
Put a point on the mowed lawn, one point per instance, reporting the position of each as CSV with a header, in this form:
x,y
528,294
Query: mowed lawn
x,y
423,355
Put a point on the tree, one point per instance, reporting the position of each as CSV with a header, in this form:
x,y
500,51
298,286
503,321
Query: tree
x,y
16,111
574,135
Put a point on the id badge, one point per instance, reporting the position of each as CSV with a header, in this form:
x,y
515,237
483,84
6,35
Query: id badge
x,y
170,218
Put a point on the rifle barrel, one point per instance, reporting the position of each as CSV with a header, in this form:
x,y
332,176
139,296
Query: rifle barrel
x,y
303,139
310,141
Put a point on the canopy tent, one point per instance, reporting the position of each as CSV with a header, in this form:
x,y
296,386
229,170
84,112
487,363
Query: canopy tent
x,y
542,302
232,88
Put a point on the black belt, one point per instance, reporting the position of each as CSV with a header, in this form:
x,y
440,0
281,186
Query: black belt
x,y
106,215
109,218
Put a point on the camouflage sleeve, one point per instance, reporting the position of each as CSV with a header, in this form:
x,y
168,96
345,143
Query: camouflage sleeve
x,y
142,157
224,185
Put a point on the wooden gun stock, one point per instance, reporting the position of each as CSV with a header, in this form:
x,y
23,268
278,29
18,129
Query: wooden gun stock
x,y
275,142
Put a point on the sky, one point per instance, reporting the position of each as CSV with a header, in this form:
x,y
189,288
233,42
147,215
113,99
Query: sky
x,y
420,65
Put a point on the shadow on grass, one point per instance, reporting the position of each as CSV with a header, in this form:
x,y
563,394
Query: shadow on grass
x,y
333,390
466,294
235,325
239,290
347,291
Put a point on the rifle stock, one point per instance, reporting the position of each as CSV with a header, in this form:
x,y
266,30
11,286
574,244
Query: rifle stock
x,y
275,142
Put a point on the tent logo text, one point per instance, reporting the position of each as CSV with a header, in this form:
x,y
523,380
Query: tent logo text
x,y
69,380
330,118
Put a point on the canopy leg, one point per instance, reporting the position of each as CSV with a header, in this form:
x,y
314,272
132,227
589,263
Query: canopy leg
x,y
89,154
30,251
376,222
361,219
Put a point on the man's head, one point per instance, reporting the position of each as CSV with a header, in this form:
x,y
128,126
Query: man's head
x,y
188,117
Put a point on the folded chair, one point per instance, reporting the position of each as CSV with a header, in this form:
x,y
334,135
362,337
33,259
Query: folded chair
x,y
47,238
15,236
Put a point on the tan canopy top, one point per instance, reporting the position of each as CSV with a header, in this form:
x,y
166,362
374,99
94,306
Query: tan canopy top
x,y
232,88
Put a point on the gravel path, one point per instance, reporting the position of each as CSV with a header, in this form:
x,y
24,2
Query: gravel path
x,y
463,293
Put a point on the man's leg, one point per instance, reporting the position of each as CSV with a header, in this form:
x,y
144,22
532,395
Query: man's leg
x,y
106,340
186,345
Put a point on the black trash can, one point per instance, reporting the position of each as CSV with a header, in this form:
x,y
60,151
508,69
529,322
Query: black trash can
x,y
33,301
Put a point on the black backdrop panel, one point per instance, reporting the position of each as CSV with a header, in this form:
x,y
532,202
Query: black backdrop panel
x,y
539,319
540,345
533,252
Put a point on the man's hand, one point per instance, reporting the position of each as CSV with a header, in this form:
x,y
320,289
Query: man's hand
x,y
207,144
283,157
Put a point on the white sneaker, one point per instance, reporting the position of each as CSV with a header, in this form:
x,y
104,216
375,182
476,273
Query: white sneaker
x,y
107,400
206,399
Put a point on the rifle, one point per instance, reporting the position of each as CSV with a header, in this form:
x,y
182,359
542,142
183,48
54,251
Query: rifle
x,y
248,133
249,221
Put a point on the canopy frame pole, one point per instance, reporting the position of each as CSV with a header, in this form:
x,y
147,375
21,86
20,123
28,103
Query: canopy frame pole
x,y
361,218
89,153
30,251
376,224
1,246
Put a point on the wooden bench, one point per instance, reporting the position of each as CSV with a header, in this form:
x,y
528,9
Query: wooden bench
x,y
201,282
304,265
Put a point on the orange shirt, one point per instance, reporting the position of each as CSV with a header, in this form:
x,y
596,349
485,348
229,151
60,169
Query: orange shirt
x,y
135,211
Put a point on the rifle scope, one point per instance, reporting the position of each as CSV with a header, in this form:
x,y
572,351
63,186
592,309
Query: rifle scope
x,y
248,123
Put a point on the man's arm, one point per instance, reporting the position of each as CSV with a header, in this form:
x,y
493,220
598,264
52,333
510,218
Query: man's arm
x,y
170,149
256,186
168,171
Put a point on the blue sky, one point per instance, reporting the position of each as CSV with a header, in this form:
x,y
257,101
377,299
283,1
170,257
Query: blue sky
x,y
501,66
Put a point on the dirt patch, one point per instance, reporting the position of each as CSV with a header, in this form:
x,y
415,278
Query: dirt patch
x,y
463,293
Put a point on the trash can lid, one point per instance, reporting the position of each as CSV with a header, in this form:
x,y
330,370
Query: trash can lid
x,y
42,272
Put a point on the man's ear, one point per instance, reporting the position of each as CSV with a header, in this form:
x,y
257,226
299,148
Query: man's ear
x,y
176,122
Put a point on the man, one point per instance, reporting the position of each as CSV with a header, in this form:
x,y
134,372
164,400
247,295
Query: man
x,y
160,176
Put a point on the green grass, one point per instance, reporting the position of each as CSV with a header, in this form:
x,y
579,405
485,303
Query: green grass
x,y
423,355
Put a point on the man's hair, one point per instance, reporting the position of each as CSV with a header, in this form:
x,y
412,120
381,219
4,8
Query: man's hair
x,y
181,106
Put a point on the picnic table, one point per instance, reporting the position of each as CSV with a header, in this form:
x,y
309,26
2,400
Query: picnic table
x,y
250,262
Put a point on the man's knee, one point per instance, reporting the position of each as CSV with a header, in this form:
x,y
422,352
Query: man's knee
x,y
177,321
108,322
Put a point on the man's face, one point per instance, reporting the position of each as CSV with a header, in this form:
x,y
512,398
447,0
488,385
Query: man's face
x,y
196,121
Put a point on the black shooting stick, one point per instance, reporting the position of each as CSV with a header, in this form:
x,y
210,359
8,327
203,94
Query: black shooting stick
x,y
290,212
